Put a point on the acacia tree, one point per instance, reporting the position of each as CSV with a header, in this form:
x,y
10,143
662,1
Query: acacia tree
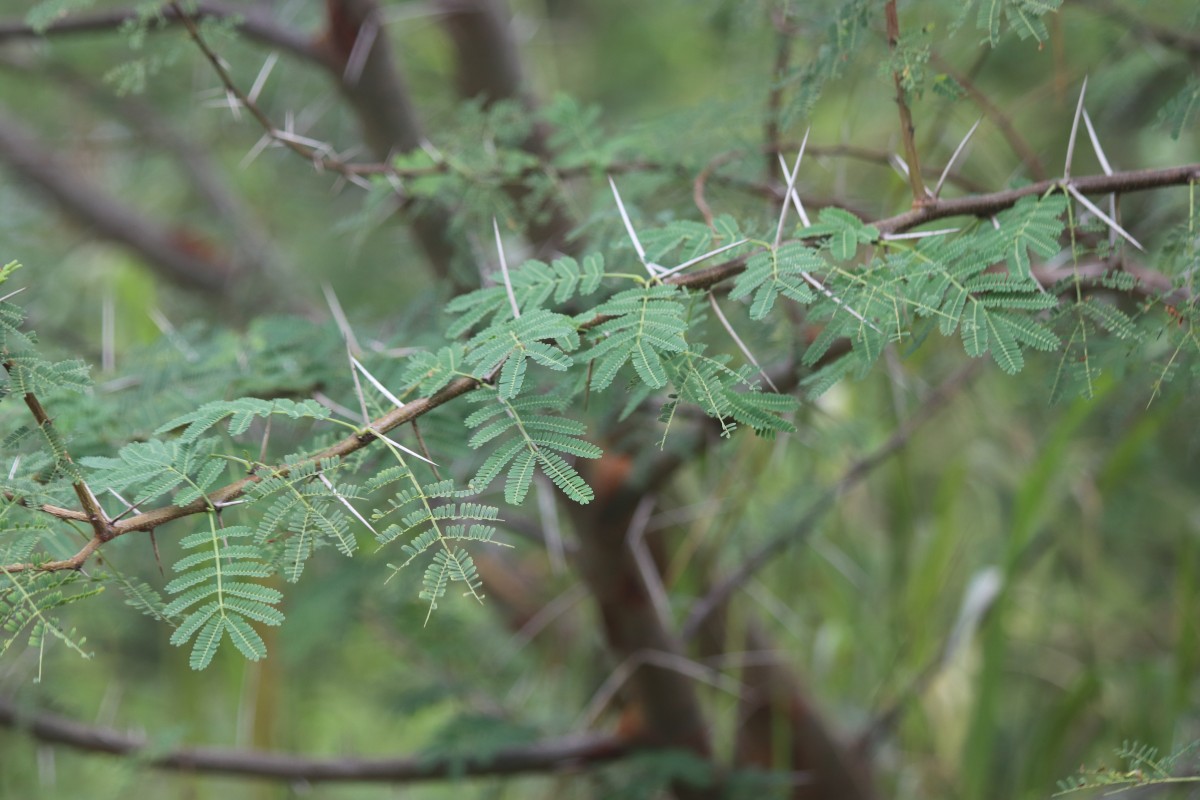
x,y
612,385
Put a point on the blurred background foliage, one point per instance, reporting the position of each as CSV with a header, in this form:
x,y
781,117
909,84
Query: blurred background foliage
x,y
1081,516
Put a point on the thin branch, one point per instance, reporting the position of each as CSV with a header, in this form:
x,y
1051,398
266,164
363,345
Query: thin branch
x,y
94,512
907,132
719,595
249,22
554,755
308,151
1176,39
986,204
701,180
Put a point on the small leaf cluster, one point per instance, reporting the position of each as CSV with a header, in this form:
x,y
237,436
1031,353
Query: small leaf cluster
x,y
215,595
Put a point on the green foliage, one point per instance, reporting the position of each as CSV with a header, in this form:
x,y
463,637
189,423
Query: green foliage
x,y
156,468
1140,765
241,413
428,372
844,35
215,598
302,513
41,15
29,606
535,442
785,270
515,342
1022,17
534,283
1183,109
199,422
726,395
640,326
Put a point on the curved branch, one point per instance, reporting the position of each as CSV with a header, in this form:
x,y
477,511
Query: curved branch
x,y
555,755
1009,131
251,23
94,513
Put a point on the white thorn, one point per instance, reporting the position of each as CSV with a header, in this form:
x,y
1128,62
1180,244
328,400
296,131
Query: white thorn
x,y
791,185
512,298
264,73
637,245
705,257
1112,223
938,189
795,197
396,401
1075,129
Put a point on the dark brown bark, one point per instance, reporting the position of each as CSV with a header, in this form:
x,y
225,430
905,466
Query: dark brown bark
x,y
360,55
667,703
110,219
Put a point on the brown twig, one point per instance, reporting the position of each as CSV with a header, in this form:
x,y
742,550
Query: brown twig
x,y
907,131
783,54
93,512
987,204
701,180
554,755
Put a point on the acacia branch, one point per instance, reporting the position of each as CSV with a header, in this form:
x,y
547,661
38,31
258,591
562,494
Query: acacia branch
x,y
982,205
555,755
987,204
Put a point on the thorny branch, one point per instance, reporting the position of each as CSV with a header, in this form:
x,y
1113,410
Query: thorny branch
x,y
907,131
979,205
